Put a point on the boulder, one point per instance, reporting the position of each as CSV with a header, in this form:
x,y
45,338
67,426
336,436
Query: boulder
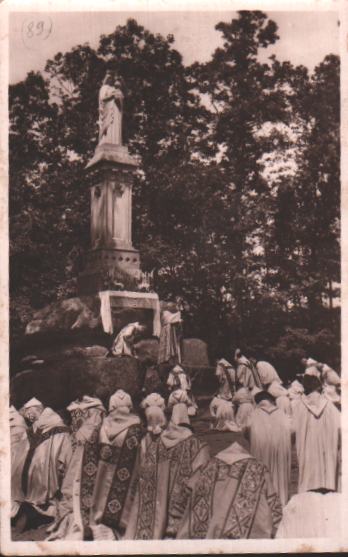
x,y
60,381
86,351
147,349
194,353
69,314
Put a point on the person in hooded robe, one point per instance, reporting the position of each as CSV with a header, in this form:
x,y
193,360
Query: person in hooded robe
x,y
331,384
19,448
266,372
246,373
123,344
295,392
312,515
154,407
270,442
47,459
87,415
232,497
226,376
316,424
110,496
165,468
178,379
222,413
169,341
244,404
281,396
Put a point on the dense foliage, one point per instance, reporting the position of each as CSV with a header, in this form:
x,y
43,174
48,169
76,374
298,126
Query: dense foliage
x,y
237,202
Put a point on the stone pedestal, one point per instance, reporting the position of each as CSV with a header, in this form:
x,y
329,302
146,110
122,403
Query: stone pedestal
x,y
112,260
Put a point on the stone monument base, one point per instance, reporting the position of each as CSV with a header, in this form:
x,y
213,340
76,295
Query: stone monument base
x,y
110,268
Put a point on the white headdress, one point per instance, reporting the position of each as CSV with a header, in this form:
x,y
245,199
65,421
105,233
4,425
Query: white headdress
x,y
118,399
154,399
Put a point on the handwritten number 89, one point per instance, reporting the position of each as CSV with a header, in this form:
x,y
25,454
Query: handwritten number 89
x,y
35,30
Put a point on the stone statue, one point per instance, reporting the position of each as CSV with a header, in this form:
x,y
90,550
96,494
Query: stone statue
x,y
110,109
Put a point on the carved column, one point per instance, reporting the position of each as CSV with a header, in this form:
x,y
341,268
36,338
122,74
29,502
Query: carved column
x,y
112,259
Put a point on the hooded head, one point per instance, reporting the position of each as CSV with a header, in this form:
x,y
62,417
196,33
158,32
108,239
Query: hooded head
x,y
120,399
155,419
33,409
154,406
295,390
154,399
177,370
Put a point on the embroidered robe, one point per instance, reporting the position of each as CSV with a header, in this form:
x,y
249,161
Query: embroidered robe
x,y
113,490
161,494
86,420
233,501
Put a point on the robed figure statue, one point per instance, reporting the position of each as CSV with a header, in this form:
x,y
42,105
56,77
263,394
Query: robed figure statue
x,y
110,109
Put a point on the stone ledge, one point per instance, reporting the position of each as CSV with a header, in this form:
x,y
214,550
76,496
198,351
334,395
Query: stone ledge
x,y
112,153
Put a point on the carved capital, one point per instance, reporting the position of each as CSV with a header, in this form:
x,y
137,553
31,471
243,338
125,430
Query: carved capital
x,y
118,187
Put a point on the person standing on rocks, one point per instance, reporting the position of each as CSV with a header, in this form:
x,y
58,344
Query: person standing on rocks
x,y
169,342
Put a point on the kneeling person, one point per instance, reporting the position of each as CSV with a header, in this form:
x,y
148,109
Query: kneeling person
x,y
119,440
47,458
232,497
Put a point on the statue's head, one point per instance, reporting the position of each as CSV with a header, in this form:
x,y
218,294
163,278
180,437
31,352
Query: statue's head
x,y
111,78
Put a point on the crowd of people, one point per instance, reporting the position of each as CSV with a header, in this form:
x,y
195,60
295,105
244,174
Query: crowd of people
x,y
122,474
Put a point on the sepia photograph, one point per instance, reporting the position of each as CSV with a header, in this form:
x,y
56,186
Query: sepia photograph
x,y
173,367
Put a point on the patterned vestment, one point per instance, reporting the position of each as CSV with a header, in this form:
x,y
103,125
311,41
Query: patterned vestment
x,y
234,501
162,492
